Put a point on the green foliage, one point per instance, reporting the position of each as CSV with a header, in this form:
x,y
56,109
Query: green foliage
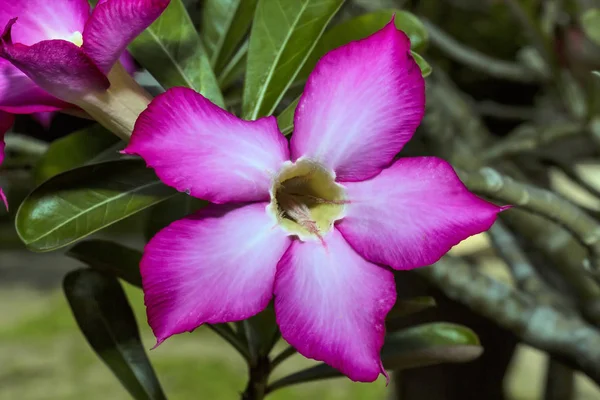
x,y
105,318
171,50
79,202
283,36
590,22
110,258
74,150
224,25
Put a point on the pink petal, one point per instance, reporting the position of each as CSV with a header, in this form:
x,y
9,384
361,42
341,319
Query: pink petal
x,y
215,266
412,213
331,305
57,66
44,118
114,24
196,147
128,63
44,19
6,121
20,95
361,104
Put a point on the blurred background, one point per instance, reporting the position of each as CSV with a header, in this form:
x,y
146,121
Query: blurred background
x,y
512,87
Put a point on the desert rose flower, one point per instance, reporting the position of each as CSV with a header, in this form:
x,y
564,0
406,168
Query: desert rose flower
x,y
59,53
316,224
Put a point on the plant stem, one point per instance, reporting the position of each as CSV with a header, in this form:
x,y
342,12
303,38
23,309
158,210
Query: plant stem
x,y
281,357
257,382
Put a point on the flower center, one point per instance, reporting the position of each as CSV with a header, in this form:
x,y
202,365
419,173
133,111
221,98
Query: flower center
x,y
306,200
76,38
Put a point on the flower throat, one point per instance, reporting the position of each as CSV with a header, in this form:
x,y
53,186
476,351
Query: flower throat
x,y
306,199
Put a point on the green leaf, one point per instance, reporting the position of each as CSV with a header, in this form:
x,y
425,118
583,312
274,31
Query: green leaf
x,y
111,258
105,317
76,203
225,23
596,74
284,34
590,22
285,120
235,68
405,307
359,28
170,210
424,65
73,151
419,346
171,50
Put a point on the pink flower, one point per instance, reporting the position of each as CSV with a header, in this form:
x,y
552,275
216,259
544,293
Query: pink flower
x,y
313,224
58,53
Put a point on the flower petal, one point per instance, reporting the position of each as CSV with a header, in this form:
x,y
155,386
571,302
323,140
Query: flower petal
x,y
45,19
331,305
215,266
6,121
412,213
361,104
20,95
57,66
197,147
114,24
128,63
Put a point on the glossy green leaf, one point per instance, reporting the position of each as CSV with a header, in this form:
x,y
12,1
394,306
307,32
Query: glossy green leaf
x,y
284,34
590,22
362,26
424,65
105,317
235,68
285,120
170,210
419,346
76,203
405,307
171,50
73,151
596,74
224,25
111,258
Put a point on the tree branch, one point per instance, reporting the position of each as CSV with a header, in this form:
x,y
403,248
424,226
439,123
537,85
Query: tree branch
x,y
489,182
566,336
475,59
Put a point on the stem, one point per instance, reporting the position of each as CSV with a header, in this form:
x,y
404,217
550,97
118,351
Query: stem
x,y
229,335
281,357
257,382
559,381
477,60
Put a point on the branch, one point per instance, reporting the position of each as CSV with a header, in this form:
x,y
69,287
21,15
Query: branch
x,y
475,59
490,182
524,273
531,29
565,336
527,137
